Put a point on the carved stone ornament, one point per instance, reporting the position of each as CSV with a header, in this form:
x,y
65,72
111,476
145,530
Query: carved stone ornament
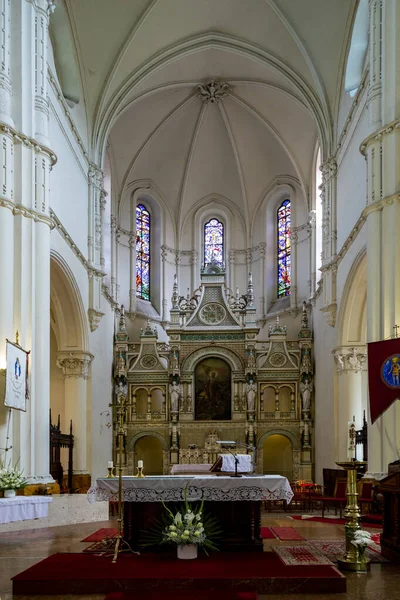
x,y
149,361
74,364
350,359
212,313
277,360
212,92
94,318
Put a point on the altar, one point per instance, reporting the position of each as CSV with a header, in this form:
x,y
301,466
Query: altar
x,y
234,501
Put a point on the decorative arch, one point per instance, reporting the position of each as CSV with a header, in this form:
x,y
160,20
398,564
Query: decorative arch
x,y
229,356
288,434
69,321
352,318
141,434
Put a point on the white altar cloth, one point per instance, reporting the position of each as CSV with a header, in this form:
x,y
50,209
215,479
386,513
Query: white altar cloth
x,y
23,508
171,488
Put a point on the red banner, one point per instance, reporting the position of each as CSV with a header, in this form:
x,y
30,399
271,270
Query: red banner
x,y
383,375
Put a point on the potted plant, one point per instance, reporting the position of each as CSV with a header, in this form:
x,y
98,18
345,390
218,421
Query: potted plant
x,y
188,528
11,479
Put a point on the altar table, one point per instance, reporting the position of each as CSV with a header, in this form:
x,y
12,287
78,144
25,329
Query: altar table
x,y
23,508
235,502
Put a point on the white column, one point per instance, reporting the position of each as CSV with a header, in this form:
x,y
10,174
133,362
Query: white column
x,y
293,268
6,215
328,198
6,305
5,79
41,352
350,362
165,291
231,258
262,252
132,273
375,62
75,367
113,255
313,252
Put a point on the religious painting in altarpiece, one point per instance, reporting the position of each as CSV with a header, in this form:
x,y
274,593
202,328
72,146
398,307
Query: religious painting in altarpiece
x,y
213,390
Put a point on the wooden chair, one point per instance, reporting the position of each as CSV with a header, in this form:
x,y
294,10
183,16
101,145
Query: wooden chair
x,y
337,500
365,496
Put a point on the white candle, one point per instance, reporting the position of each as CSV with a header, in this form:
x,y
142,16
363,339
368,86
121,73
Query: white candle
x,y
140,464
110,464
351,440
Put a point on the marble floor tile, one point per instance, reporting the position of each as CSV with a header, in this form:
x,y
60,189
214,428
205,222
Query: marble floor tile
x,y
20,550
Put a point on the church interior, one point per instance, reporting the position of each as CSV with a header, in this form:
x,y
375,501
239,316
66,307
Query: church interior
x,y
199,203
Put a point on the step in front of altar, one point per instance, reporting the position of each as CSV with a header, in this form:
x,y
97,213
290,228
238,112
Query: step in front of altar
x,y
93,574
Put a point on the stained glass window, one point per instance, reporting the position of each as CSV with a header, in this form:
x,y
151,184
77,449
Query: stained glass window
x,y
283,223
214,242
142,252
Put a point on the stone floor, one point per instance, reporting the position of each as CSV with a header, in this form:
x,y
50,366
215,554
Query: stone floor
x,y
20,550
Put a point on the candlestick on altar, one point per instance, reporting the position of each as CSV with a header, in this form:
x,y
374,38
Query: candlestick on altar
x,y
351,560
139,473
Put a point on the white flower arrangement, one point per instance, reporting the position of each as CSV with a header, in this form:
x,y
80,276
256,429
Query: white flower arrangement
x,y
187,526
185,529
11,478
361,540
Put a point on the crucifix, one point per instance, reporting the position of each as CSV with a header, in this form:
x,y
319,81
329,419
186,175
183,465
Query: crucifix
x,y
396,333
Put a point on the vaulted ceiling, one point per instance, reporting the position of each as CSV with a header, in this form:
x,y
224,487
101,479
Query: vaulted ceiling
x,y
142,61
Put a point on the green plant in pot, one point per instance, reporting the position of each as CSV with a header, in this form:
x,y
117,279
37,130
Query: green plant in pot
x,y
11,479
189,528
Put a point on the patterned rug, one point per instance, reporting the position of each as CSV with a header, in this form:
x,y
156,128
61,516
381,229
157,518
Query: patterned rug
x,y
301,556
332,520
335,549
100,534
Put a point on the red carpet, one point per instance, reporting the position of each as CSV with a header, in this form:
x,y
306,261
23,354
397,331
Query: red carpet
x,y
184,595
240,572
100,534
334,521
267,534
286,534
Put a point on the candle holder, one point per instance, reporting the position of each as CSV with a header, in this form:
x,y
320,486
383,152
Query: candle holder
x,y
139,473
351,560
110,472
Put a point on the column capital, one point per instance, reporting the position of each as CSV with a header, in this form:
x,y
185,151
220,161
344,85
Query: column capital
x,y
350,359
75,363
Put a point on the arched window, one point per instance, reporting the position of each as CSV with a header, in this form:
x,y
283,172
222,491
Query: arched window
x,y
214,242
142,252
283,227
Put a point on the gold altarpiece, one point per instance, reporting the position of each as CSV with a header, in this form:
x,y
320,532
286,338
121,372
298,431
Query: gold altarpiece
x,y
216,379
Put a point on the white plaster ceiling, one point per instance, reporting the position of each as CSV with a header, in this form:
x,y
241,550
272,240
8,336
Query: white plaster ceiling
x,y
142,60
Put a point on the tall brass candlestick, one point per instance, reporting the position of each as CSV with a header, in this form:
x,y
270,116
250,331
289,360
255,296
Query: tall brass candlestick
x,y
351,561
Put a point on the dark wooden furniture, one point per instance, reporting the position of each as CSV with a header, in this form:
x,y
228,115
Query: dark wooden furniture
x,y
389,487
365,495
60,440
240,523
338,499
